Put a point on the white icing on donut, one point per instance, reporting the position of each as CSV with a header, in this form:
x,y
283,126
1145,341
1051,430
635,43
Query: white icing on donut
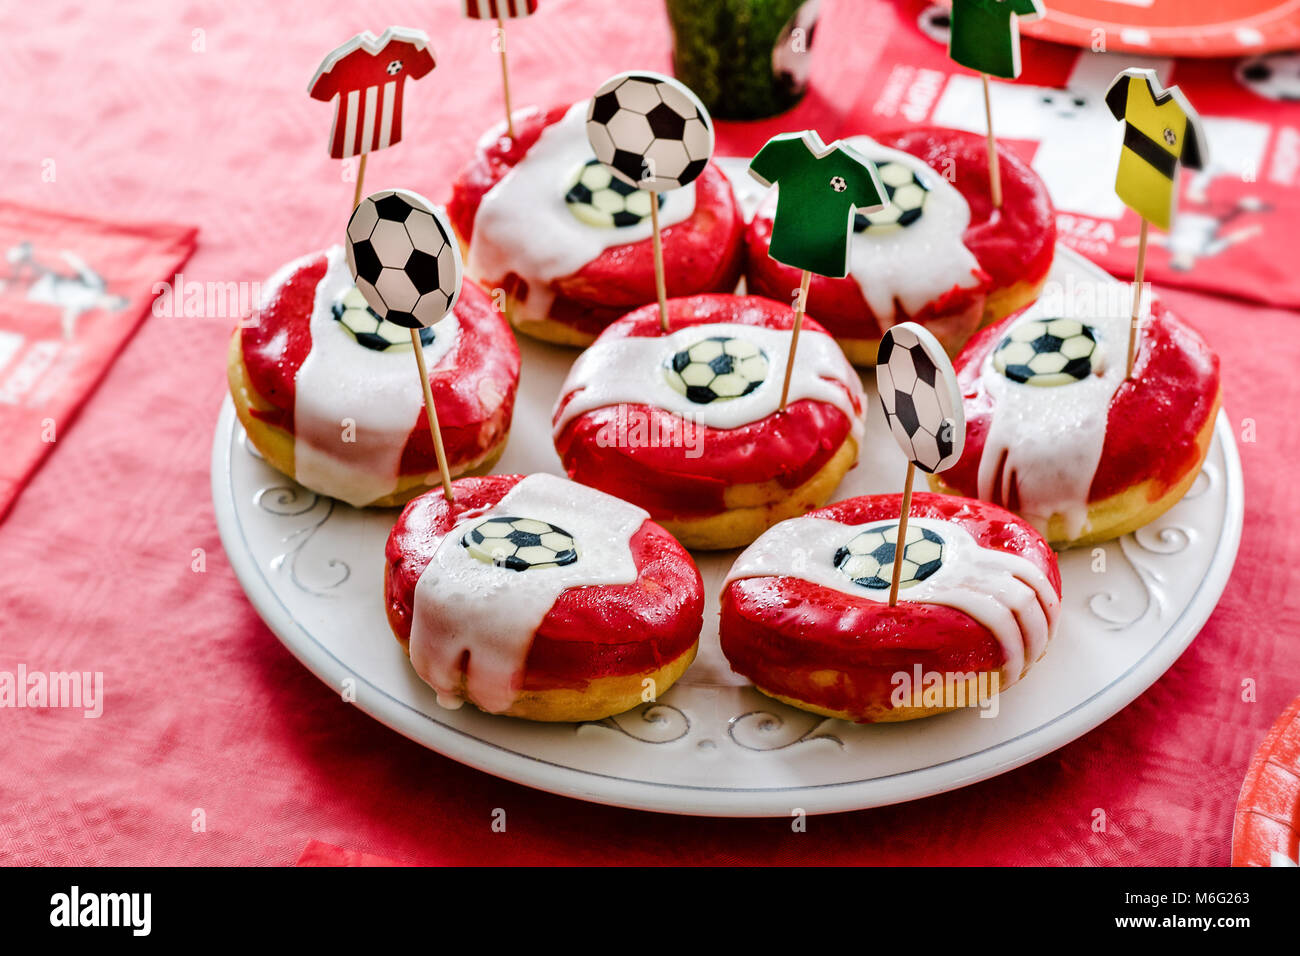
x,y
1052,438
523,224
631,370
1006,593
379,392
464,605
911,265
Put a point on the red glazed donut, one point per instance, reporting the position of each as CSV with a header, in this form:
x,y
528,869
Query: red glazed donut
x,y
712,460
805,612
615,626
940,255
564,278
1076,449
330,396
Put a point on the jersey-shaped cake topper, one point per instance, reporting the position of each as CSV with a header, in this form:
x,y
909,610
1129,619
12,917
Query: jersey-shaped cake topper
x,y
650,131
368,75
1161,133
406,263
819,190
498,9
819,187
919,393
985,34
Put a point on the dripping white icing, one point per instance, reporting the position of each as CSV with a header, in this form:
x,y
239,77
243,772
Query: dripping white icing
x,y
1052,438
913,265
631,369
464,604
523,224
340,381
1006,593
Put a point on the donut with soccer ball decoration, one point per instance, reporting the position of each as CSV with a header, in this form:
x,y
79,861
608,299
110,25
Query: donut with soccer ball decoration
x,y
685,423
540,598
325,386
567,237
938,254
979,600
1056,433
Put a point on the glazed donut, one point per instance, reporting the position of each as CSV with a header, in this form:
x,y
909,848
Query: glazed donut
x,y
939,254
1055,433
328,393
568,244
540,598
686,424
806,615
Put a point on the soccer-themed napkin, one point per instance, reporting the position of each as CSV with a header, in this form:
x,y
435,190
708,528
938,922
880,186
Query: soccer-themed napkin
x,y
1235,214
72,291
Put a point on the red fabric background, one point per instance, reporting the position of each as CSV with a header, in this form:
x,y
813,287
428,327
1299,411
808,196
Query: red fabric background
x,y
204,708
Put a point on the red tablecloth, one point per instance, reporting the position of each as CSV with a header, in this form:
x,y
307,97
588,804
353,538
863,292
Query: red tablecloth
x,y
215,746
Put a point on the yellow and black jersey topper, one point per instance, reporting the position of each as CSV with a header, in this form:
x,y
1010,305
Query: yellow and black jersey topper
x,y
1161,133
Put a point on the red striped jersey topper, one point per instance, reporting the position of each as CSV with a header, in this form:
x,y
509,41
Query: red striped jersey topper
x,y
368,74
492,9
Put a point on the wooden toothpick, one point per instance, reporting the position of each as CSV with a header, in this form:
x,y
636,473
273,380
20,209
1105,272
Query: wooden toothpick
x,y
800,307
901,541
361,179
432,414
661,285
505,76
1138,278
995,168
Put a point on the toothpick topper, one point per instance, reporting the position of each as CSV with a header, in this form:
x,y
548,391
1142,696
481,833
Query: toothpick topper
x,y
650,130
922,401
985,34
368,75
819,188
498,9
404,257
1161,133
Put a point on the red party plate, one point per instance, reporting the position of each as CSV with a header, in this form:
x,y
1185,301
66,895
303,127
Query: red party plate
x,y
1266,829
1172,27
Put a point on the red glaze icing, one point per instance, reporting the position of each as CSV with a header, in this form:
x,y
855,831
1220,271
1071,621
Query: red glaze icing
x,y
788,447
1011,245
590,632
702,254
473,386
1154,418
780,631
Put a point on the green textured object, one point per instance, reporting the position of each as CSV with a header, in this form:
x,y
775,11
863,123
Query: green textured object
x,y
818,189
986,34
742,57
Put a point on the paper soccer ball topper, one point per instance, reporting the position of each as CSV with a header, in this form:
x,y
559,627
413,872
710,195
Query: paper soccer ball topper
x,y
404,257
650,130
921,398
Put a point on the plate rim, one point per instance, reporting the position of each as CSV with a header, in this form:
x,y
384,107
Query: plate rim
x,y
843,796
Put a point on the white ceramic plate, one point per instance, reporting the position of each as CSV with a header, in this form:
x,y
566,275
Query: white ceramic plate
x,y
713,745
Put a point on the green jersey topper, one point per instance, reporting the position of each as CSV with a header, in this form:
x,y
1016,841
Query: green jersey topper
x,y
819,187
986,34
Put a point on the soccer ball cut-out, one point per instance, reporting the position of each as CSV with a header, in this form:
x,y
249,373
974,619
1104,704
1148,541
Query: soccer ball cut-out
x,y
922,401
404,258
599,198
868,558
1274,76
370,331
906,195
1048,352
520,544
717,369
650,130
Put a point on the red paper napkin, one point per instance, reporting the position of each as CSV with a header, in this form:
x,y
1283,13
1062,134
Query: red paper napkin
x,y
72,291
1240,216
